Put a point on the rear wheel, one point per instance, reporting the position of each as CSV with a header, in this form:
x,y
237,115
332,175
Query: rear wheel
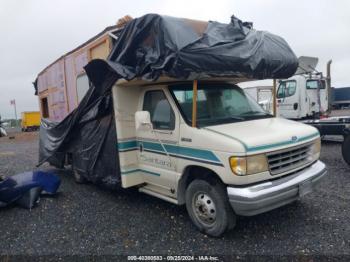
x,y
346,149
208,207
78,177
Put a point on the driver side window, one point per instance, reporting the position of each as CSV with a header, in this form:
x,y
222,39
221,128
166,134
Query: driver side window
x,y
162,115
286,89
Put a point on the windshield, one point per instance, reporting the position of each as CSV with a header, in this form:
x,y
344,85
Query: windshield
x,y
217,104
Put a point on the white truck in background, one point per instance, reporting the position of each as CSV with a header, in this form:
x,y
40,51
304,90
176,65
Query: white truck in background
x,y
262,95
306,95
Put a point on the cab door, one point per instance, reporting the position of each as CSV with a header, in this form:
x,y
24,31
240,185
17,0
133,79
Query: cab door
x,y
317,94
158,144
288,99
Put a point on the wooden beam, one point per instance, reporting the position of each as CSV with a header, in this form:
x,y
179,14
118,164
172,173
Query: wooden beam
x,y
194,103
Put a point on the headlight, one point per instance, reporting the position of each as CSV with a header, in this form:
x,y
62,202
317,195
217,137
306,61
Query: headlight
x,y
248,165
315,150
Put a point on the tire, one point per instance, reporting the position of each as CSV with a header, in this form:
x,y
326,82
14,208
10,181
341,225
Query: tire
x,y
78,178
345,149
208,207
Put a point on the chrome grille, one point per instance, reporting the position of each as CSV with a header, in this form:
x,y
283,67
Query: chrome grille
x,y
289,159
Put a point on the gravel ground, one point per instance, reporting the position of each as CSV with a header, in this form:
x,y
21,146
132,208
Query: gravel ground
x,y
86,219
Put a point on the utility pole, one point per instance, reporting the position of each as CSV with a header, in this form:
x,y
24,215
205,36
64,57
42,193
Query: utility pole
x,y
274,104
13,102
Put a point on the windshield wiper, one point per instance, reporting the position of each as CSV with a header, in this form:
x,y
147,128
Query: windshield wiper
x,y
254,113
235,118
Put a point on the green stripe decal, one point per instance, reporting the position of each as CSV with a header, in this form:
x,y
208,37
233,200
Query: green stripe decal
x,y
267,146
262,147
139,170
151,146
231,137
127,145
182,151
171,149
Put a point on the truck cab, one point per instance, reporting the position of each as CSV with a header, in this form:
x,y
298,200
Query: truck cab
x,y
302,96
306,95
213,148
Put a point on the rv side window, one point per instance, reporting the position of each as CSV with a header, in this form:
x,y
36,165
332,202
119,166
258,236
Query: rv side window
x,y
162,115
286,88
44,108
314,84
83,86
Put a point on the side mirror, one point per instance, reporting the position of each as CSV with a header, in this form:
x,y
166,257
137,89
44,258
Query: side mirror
x,y
143,120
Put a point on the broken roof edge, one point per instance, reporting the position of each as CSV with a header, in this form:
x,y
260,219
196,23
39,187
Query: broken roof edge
x,y
92,39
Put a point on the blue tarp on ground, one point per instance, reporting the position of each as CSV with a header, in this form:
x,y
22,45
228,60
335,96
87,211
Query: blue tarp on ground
x,y
25,188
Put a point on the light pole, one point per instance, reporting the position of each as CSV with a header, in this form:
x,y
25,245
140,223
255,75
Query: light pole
x,y
13,102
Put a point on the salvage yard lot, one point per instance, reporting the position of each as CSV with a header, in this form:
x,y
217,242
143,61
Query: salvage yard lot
x,y
86,219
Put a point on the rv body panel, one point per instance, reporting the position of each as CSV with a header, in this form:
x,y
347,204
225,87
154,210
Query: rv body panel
x,y
59,85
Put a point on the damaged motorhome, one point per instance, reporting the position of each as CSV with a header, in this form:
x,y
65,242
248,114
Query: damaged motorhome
x,y
164,114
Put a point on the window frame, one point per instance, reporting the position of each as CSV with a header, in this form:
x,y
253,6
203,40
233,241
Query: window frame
x,y
284,93
171,108
317,80
188,86
76,85
45,111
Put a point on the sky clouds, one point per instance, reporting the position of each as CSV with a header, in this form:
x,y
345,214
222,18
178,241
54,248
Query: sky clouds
x,y
36,32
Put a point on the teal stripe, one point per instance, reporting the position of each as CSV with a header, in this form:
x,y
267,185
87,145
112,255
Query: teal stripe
x,y
267,146
151,146
192,152
179,150
200,153
127,145
262,147
309,137
139,170
231,137
171,149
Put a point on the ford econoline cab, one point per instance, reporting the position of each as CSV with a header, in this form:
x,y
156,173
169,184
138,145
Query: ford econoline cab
x,y
207,145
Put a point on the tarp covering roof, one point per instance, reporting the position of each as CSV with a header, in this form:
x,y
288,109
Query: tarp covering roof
x,y
154,45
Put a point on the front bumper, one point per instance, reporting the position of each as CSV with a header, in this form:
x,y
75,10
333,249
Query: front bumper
x,y
259,198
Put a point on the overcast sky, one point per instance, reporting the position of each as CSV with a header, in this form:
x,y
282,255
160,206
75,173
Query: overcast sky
x,y
34,33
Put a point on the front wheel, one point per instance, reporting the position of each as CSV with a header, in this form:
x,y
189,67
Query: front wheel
x,y
208,207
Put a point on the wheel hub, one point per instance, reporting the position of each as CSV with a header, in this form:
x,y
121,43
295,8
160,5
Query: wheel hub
x,y
204,208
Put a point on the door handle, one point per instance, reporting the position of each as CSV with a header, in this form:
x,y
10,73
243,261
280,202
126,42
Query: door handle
x,y
295,106
141,147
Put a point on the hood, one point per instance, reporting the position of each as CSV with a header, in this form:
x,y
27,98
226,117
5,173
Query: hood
x,y
266,135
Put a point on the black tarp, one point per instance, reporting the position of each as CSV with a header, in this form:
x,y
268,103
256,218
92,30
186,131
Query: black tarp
x,y
88,134
149,47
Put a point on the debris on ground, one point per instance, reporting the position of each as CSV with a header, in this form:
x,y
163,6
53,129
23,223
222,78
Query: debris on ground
x,y
25,189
